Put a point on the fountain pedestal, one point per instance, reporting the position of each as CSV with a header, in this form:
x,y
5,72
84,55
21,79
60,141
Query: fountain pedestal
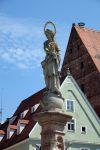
x,y
52,129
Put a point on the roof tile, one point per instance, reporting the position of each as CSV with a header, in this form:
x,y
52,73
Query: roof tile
x,y
91,39
2,132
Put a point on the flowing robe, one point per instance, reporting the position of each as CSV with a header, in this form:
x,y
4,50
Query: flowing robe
x,y
51,66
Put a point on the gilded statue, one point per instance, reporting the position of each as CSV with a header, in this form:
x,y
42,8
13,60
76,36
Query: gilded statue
x,y
51,63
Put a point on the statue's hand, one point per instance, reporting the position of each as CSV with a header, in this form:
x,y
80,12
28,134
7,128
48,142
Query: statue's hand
x,y
46,49
52,45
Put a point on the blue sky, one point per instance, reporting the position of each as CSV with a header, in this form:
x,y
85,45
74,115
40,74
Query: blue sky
x,y
22,37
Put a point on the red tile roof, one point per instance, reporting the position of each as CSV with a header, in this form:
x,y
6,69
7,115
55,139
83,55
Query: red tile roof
x,y
2,132
29,102
28,120
24,121
12,126
91,39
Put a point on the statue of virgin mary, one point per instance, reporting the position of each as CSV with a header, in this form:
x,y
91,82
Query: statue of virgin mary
x,y
51,63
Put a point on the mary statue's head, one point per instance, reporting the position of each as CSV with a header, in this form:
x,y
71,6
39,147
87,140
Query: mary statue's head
x,y
49,34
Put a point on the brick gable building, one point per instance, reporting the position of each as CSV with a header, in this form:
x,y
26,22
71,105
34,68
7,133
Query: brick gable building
x,y
83,58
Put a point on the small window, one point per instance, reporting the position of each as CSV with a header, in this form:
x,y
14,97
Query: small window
x,y
2,134
10,132
82,65
85,148
71,125
1,137
21,125
83,129
78,46
70,105
12,119
70,69
20,128
24,113
38,146
82,87
70,51
34,108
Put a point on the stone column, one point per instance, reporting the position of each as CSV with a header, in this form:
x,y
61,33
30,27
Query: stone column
x,y
52,119
52,129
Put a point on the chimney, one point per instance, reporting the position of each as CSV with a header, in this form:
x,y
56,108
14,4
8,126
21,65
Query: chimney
x,y
81,24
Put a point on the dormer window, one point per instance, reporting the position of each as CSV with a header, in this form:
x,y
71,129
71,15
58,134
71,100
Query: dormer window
x,y
21,125
83,129
34,108
23,114
2,134
38,146
12,119
10,131
21,128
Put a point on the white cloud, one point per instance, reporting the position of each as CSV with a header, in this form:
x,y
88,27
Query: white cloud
x,y
20,43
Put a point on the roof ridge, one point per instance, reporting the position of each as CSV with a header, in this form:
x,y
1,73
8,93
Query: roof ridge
x,y
90,29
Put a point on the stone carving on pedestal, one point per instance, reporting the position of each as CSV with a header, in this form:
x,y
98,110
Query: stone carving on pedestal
x,y
60,143
50,66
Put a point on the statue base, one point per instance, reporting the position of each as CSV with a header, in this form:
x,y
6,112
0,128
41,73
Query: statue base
x,y
52,134
52,101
